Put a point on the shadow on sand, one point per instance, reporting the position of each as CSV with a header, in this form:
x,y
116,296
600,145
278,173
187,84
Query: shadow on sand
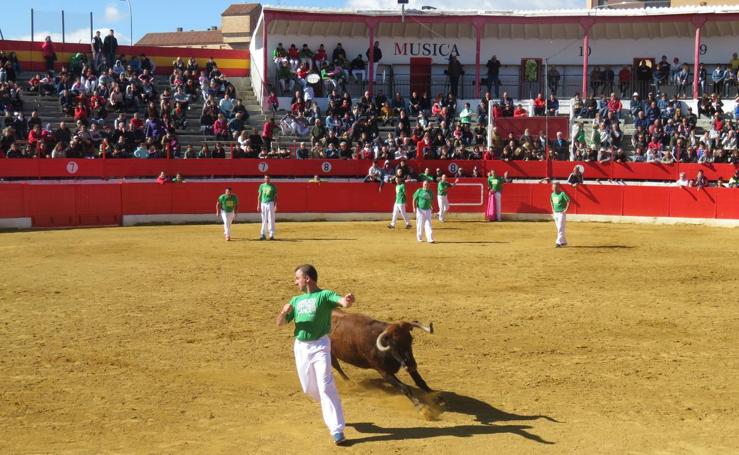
x,y
487,415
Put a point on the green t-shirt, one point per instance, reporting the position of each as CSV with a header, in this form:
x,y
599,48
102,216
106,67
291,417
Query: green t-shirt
x,y
312,314
267,192
495,183
423,198
443,188
559,201
425,178
400,197
228,202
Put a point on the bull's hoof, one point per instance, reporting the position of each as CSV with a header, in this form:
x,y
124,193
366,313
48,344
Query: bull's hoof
x,y
429,412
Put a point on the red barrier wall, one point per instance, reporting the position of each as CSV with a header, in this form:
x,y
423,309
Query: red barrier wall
x,y
103,204
113,168
232,63
517,125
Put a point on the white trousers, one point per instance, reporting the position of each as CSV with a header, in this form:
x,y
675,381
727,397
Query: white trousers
x,y
313,361
268,218
399,209
560,220
498,213
443,205
360,75
228,218
423,223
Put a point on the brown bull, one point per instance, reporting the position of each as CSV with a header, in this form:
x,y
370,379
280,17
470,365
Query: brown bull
x,y
367,343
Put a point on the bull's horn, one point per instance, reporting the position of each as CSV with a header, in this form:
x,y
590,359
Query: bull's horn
x,y
429,329
379,344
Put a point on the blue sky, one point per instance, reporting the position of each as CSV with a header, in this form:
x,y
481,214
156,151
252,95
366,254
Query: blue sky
x,y
161,16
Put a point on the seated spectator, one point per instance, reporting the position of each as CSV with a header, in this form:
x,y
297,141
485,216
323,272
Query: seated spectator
x,y
520,112
552,105
540,105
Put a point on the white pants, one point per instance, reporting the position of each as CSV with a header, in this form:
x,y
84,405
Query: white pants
x,y
313,361
399,208
228,218
498,213
423,223
560,220
268,218
443,205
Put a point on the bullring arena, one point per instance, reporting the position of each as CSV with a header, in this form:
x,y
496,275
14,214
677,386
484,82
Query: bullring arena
x,y
128,324
162,340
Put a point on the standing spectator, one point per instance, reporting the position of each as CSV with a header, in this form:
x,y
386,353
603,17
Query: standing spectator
x,y
400,201
560,203
268,130
266,206
624,80
110,46
560,147
702,77
376,57
422,205
553,78
682,79
49,53
717,77
97,51
226,207
493,79
454,71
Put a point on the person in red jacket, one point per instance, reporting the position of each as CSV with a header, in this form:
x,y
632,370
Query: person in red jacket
x,y
540,105
520,112
49,53
268,130
615,105
220,127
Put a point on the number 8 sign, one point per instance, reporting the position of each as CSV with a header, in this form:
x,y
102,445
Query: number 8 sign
x,y
326,167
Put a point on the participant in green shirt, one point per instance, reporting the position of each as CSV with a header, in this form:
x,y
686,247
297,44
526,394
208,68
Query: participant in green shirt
x,y
442,189
226,207
266,206
426,176
399,205
560,204
311,312
495,197
422,201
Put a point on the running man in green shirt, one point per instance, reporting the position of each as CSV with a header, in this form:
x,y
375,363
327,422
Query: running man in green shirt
x,y
560,204
442,189
266,206
399,206
226,207
311,312
422,205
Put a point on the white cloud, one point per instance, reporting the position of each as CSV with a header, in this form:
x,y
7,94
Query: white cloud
x,y
478,5
113,14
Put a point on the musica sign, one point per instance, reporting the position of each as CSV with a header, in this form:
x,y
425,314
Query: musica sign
x,y
426,49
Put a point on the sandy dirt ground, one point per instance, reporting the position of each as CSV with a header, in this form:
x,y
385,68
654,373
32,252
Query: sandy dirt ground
x,y
162,339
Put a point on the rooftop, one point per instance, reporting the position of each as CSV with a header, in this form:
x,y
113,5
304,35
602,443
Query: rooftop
x,y
192,38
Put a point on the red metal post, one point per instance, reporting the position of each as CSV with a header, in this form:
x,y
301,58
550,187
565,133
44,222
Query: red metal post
x,y
585,49
478,26
698,22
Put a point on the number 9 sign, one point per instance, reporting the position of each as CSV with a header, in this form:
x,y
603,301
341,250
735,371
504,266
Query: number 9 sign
x,y
326,167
